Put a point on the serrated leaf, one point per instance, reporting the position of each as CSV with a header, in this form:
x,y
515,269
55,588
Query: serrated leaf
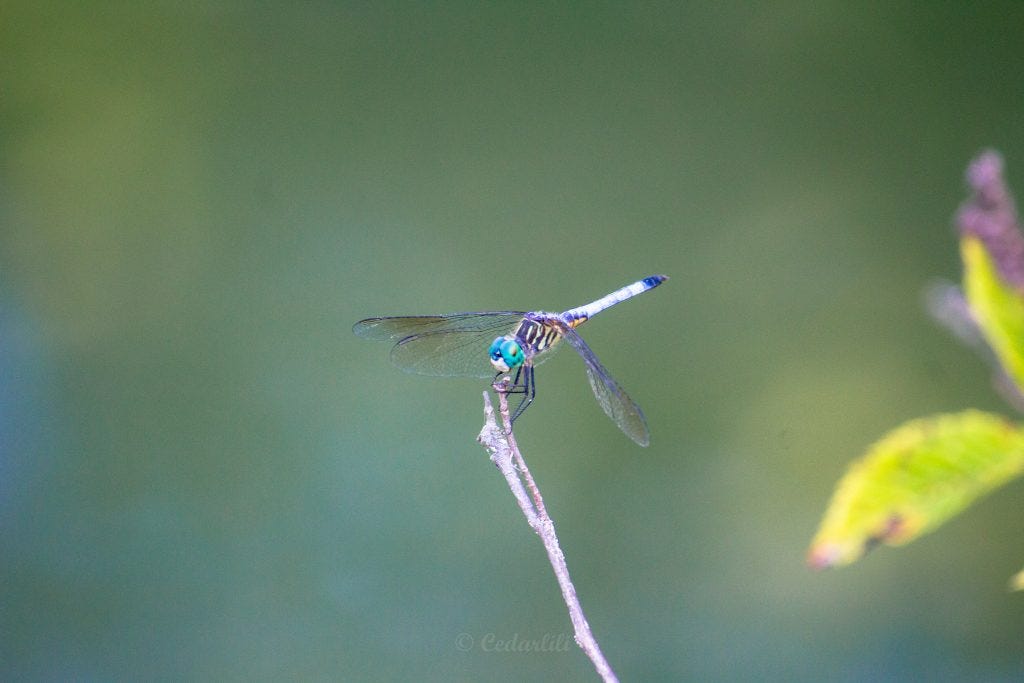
x,y
997,308
914,479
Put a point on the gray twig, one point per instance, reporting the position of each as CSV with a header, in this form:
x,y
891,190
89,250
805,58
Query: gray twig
x,y
504,453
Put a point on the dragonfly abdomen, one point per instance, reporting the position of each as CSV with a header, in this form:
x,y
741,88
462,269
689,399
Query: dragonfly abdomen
x,y
580,314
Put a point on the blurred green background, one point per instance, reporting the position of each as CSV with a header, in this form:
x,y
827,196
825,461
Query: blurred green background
x,y
204,475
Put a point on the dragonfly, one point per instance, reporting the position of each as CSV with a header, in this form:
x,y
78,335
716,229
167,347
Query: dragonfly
x,y
510,343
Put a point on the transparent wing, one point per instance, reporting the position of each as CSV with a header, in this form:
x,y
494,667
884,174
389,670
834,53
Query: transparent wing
x,y
616,403
441,345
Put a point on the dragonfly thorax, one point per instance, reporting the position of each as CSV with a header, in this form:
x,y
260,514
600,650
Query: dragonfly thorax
x,y
506,354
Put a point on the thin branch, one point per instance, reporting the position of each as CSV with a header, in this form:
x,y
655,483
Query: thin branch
x,y
504,453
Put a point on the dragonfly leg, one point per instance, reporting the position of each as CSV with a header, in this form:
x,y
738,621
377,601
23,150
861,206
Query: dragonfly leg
x,y
513,385
521,383
528,389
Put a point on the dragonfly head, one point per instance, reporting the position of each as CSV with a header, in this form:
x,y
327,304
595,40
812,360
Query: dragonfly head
x,y
506,354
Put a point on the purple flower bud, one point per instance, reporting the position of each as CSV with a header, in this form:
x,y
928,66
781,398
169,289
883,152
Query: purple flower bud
x,y
990,215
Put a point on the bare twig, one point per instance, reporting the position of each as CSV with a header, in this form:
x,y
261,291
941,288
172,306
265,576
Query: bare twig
x,y
504,453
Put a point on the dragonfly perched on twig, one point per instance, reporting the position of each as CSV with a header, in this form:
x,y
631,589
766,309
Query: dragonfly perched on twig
x,y
454,345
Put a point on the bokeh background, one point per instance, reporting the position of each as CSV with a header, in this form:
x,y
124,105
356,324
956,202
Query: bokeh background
x,y
205,476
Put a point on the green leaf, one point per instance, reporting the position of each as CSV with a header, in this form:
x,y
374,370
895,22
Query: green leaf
x,y
997,308
914,479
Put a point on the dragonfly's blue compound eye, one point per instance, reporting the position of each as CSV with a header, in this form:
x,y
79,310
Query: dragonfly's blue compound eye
x,y
506,354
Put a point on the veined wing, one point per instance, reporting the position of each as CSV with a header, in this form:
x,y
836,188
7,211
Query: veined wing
x,y
397,328
441,345
616,403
